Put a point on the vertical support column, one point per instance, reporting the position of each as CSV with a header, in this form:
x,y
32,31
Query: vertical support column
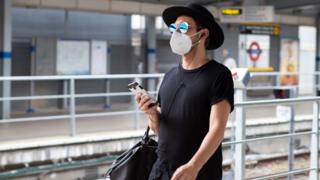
x,y
151,49
274,54
65,82
314,144
239,156
72,123
33,69
242,56
317,79
5,52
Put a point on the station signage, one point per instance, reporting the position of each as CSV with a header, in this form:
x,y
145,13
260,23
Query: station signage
x,y
242,14
231,11
254,51
262,28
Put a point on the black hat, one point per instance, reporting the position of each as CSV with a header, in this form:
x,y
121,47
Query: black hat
x,y
201,16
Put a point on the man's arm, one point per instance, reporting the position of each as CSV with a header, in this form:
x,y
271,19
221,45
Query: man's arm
x,y
154,120
218,119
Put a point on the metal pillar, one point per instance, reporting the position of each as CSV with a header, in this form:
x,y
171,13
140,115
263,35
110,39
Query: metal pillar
x,y
65,82
33,69
314,144
107,103
317,55
151,50
239,156
5,52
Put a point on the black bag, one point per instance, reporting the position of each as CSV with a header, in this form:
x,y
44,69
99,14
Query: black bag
x,y
136,163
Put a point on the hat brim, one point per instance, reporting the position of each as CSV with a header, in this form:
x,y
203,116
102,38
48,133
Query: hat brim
x,y
216,36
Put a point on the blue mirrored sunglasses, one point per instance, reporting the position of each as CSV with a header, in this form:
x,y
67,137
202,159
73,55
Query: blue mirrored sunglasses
x,y
183,27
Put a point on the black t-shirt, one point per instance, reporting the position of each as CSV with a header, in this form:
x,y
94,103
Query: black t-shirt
x,y
186,97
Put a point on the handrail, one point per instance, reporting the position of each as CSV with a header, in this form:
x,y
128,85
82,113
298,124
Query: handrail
x,y
79,77
277,101
268,138
281,73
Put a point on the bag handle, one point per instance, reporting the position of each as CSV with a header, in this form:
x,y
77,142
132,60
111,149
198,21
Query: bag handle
x,y
145,137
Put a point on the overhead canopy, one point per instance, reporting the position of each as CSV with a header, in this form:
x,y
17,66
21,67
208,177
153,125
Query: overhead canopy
x,y
287,11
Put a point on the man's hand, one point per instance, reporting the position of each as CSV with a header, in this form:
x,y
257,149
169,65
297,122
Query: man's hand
x,y
186,172
144,102
152,112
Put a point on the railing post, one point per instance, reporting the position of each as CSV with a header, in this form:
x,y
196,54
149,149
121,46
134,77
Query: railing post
x,y
137,114
292,94
314,143
65,91
30,106
72,108
233,130
107,103
239,156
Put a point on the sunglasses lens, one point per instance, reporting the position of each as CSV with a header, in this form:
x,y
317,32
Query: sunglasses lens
x,y
172,27
184,27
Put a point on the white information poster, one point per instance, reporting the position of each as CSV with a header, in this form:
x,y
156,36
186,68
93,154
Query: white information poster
x,y
98,57
73,57
289,61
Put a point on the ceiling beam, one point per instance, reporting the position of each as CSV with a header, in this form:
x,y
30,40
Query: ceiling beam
x,y
104,6
288,4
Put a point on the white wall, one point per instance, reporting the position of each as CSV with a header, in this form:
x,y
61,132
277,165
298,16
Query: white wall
x,y
307,36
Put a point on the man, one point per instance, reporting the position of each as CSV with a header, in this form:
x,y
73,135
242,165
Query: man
x,y
195,100
229,62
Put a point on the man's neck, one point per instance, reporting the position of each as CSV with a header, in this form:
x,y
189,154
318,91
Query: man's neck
x,y
194,59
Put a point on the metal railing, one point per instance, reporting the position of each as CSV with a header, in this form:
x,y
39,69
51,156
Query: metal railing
x,y
240,137
240,117
72,96
276,84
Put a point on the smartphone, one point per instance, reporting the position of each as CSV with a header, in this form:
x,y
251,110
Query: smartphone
x,y
136,89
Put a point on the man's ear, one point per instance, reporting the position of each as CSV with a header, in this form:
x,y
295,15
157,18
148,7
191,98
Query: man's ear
x,y
205,33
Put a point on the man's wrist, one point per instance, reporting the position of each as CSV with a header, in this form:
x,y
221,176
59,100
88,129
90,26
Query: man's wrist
x,y
153,115
195,165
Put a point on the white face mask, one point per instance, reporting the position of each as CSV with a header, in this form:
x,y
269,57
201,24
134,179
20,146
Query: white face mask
x,y
181,43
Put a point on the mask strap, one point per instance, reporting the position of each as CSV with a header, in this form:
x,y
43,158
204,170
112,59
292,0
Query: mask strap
x,y
194,34
198,40
196,43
